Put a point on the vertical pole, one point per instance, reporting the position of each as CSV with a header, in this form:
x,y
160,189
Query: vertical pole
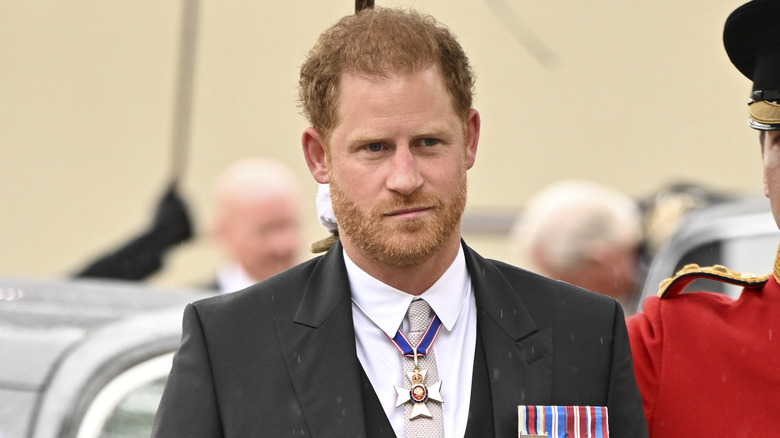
x,y
185,75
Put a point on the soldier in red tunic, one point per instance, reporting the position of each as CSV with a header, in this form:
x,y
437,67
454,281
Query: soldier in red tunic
x,y
708,365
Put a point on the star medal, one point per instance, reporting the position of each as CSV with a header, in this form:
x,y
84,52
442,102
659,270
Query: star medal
x,y
418,393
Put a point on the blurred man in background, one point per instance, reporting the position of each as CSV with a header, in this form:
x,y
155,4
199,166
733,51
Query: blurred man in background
x,y
257,222
582,233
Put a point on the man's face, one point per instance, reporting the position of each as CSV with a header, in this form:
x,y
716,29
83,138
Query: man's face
x,y
397,164
263,235
618,271
771,156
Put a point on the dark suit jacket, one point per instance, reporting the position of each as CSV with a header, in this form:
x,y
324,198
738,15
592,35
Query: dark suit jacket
x,y
278,359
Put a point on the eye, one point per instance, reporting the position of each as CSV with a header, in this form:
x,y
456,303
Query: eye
x,y
430,141
374,147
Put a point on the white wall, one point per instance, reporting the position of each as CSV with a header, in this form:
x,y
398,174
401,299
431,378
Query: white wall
x,y
631,94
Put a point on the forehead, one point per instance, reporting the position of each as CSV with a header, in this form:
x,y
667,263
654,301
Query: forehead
x,y
356,82
384,98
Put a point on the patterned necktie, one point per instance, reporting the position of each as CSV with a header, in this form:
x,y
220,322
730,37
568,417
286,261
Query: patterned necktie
x,y
419,316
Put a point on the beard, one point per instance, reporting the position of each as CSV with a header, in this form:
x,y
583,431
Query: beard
x,y
398,244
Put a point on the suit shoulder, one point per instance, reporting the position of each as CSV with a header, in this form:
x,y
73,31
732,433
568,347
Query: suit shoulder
x,y
274,293
551,299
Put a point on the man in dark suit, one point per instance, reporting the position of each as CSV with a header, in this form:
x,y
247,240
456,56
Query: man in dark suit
x,y
328,349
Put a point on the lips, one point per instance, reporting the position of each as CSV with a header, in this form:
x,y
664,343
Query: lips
x,y
409,212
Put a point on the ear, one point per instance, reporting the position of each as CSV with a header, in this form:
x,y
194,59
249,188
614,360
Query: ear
x,y
473,123
596,255
762,139
314,151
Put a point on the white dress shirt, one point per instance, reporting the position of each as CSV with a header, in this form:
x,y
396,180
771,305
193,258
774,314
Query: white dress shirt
x,y
379,310
232,277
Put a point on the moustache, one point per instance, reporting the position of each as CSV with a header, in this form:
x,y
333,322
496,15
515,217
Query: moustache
x,y
411,202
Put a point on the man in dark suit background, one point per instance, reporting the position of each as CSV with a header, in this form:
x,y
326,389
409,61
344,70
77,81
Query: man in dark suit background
x,y
327,348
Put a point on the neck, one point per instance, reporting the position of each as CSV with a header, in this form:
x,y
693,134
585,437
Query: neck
x,y
413,279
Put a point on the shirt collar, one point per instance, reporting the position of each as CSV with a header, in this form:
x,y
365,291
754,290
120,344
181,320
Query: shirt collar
x,y
232,277
386,306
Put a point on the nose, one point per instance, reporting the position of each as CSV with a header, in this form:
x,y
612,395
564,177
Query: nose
x,y
404,176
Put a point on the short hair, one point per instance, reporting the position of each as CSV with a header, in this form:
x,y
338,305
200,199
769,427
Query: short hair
x,y
379,42
568,219
251,180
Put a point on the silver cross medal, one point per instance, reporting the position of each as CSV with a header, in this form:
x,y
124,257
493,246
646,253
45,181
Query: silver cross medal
x,y
418,394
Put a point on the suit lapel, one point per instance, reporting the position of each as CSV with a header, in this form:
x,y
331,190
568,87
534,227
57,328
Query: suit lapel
x,y
518,355
319,349
319,352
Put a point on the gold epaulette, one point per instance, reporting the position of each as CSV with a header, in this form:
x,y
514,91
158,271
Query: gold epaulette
x,y
674,285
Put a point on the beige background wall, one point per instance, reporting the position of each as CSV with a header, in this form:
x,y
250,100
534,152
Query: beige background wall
x,y
632,94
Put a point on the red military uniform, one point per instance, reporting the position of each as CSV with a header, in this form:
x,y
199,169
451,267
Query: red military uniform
x,y
708,365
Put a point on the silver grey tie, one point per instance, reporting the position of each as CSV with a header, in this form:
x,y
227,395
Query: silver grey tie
x,y
419,316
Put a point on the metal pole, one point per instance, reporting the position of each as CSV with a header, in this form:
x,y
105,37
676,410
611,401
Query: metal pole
x,y
182,111
363,4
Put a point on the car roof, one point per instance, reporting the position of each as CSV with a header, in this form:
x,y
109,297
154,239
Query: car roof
x,y
41,319
59,338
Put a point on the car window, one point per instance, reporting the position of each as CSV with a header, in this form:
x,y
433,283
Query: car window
x,y
125,407
134,415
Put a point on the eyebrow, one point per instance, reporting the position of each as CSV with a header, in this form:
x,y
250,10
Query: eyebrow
x,y
364,139
433,131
